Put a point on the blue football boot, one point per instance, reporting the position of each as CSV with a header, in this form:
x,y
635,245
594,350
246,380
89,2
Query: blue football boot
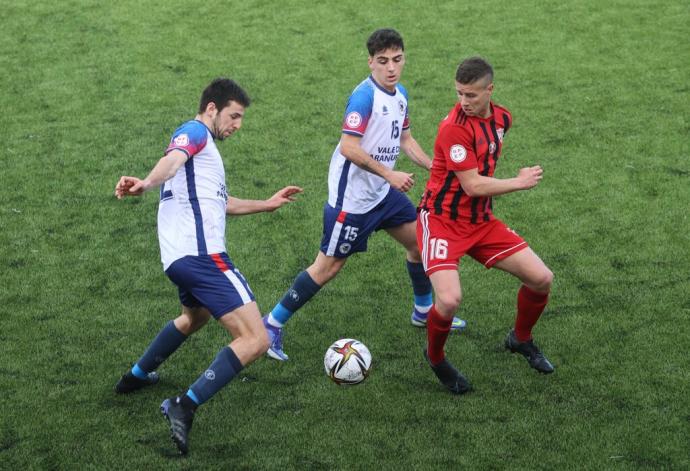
x,y
275,336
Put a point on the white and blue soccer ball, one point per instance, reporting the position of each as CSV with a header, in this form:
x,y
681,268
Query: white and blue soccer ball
x,y
347,362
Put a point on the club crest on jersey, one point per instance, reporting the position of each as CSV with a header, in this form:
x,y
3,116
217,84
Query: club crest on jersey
x,y
353,120
401,107
345,248
181,140
458,153
500,133
385,110
492,147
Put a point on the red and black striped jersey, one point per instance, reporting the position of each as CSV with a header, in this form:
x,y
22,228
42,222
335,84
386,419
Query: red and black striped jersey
x,y
464,142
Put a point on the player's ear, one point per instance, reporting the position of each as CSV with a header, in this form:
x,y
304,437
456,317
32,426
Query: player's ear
x,y
490,87
211,109
370,61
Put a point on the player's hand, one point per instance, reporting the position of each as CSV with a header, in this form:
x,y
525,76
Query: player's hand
x,y
129,186
401,181
282,197
530,176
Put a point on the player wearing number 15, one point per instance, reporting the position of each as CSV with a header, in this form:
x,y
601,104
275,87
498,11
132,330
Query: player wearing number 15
x,y
455,218
365,192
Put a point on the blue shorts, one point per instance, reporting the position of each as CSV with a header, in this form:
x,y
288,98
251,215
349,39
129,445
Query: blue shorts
x,y
346,233
211,281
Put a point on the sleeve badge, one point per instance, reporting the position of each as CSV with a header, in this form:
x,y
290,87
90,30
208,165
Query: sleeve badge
x,y
458,153
353,120
182,140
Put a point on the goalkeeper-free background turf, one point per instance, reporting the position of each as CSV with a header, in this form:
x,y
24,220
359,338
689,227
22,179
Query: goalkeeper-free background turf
x,y
599,94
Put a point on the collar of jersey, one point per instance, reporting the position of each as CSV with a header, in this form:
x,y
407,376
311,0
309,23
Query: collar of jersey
x,y
381,88
204,125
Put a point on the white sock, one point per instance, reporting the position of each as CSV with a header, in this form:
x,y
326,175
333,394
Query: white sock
x,y
423,309
275,323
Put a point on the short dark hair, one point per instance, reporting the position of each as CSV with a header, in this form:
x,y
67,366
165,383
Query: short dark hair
x,y
383,39
221,92
473,69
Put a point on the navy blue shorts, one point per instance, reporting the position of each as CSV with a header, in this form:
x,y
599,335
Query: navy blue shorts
x,y
211,281
346,233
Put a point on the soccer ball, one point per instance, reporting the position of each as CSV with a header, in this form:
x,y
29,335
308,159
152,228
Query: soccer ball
x,y
347,362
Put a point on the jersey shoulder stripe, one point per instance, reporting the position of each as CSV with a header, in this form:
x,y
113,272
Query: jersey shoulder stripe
x,y
403,91
358,109
190,138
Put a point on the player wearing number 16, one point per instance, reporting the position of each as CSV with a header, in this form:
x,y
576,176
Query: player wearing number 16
x,y
456,218
365,192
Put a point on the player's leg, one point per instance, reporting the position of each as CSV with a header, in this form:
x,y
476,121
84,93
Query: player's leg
x,y
303,288
406,235
448,291
532,298
221,288
168,340
250,341
442,267
192,319
343,235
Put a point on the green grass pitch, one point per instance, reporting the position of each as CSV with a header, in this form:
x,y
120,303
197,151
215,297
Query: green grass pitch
x,y
599,93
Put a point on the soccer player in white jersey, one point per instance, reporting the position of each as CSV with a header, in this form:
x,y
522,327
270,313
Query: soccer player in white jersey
x,y
365,192
193,205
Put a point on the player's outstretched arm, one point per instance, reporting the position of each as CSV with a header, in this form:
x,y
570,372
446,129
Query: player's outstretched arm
x,y
164,170
414,151
475,184
238,206
352,150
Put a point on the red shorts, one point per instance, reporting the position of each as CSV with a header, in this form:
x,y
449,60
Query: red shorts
x,y
443,242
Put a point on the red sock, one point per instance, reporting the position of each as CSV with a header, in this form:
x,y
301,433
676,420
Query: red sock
x,y
530,305
437,330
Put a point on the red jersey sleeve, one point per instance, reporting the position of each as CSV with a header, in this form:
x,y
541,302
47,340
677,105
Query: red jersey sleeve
x,y
457,146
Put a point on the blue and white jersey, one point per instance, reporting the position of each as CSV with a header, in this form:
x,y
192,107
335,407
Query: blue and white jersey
x,y
379,117
191,213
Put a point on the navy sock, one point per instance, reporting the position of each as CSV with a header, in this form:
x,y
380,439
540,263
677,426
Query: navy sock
x,y
225,367
166,342
421,285
301,291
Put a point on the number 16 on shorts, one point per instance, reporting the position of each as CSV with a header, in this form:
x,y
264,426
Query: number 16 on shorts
x,y
438,249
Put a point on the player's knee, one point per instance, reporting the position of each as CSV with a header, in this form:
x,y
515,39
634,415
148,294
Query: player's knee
x,y
191,325
190,322
184,325
322,273
543,282
414,256
448,302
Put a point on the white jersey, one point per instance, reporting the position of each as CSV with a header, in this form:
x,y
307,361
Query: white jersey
x,y
378,117
191,213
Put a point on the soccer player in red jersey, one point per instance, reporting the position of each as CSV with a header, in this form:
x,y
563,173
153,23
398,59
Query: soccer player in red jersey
x,y
456,218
